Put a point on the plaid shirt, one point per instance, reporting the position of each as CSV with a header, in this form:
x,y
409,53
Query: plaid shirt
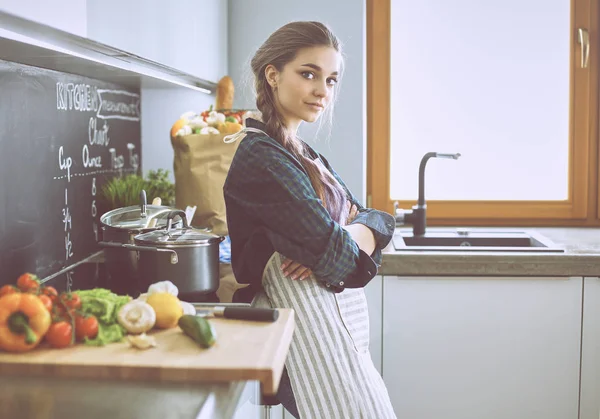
x,y
272,206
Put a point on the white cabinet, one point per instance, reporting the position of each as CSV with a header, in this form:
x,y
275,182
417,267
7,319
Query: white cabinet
x,y
277,412
66,15
590,351
374,293
493,348
248,407
188,35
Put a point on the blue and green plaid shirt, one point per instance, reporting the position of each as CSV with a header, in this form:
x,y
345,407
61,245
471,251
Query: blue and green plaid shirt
x,y
272,206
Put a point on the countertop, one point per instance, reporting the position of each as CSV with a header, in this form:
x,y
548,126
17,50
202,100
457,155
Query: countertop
x,y
52,392
580,258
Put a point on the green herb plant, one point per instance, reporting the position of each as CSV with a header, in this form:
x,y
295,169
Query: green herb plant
x,y
124,191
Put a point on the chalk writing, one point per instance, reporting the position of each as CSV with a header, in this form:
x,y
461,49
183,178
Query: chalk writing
x,y
133,157
118,104
90,161
79,97
68,223
94,209
65,163
116,162
98,136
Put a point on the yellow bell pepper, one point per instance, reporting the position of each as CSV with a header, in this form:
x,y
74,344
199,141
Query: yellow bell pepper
x,y
24,320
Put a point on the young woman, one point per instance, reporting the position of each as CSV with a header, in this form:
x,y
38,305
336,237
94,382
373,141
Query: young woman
x,y
299,236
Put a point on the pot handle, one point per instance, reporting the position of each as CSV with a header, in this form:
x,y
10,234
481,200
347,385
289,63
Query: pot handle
x,y
174,214
132,247
143,204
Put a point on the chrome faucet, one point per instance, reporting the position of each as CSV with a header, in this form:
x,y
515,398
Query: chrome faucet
x,y
417,217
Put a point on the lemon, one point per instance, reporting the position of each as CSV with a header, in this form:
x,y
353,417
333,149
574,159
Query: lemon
x,y
167,308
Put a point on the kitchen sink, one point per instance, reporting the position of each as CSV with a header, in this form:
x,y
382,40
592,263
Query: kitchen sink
x,y
473,240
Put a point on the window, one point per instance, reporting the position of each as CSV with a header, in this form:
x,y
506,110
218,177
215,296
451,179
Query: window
x,y
514,93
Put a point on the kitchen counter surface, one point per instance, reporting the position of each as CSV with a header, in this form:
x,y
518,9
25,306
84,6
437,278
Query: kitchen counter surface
x,y
37,389
581,257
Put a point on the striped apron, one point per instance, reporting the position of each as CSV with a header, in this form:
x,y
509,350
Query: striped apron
x,y
329,364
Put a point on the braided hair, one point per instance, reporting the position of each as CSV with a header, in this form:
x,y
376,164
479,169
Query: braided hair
x,y
278,50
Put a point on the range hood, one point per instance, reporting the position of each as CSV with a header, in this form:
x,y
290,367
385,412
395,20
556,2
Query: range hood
x,y
27,42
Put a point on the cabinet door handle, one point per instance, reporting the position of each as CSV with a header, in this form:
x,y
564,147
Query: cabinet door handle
x,y
584,41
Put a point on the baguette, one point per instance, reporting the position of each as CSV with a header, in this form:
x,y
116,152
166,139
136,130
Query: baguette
x,y
224,95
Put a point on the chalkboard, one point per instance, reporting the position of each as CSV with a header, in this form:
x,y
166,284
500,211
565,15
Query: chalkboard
x,y
62,136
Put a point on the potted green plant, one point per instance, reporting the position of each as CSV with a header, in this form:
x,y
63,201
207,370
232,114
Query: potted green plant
x,y
124,191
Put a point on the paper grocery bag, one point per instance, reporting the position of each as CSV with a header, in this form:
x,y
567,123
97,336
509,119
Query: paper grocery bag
x,y
228,285
200,166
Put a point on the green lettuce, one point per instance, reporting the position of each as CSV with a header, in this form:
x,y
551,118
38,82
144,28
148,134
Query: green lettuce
x,y
105,306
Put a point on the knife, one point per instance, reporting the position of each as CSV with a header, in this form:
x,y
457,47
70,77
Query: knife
x,y
240,313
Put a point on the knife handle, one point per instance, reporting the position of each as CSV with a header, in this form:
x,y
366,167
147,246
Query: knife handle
x,y
251,313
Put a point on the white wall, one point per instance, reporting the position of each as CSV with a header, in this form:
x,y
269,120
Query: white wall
x,y
67,15
160,108
251,22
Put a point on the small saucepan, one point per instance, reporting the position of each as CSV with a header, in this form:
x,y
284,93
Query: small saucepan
x,y
120,226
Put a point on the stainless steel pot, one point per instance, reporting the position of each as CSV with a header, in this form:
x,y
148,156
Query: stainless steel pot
x,y
186,256
119,227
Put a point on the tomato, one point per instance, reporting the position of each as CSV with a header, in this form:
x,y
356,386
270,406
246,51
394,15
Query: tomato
x,y
63,313
47,302
86,327
71,300
59,334
28,282
8,289
50,292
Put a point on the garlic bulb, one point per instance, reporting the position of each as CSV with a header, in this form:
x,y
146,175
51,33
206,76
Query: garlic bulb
x,y
188,308
215,118
163,286
142,341
197,122
137,317
185,130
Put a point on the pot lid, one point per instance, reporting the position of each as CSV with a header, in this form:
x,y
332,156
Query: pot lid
x,y
130,218
177,237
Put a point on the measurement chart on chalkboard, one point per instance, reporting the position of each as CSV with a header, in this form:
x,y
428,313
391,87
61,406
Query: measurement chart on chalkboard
x,y
62,137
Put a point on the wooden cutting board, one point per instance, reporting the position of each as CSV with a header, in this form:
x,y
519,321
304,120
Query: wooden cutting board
x,y
244,351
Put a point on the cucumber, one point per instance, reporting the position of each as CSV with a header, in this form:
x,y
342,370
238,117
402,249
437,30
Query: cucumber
x,y
199,329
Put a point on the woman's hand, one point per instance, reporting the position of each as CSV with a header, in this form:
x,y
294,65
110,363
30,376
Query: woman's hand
x,y
294,270
352,212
